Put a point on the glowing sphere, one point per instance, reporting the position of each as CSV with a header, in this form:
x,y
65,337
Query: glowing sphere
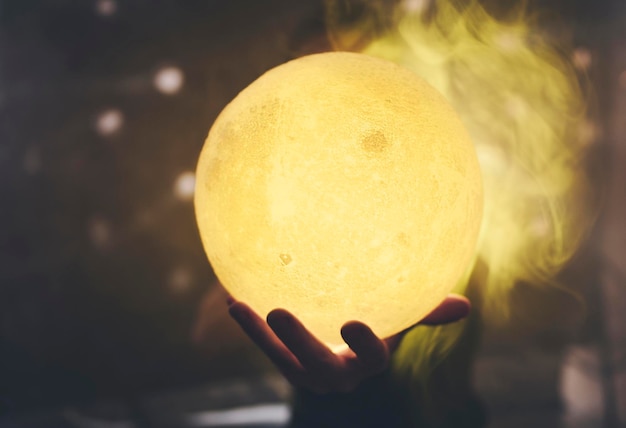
x,y
340,187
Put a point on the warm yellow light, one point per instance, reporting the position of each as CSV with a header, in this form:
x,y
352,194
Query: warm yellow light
x,y
339,186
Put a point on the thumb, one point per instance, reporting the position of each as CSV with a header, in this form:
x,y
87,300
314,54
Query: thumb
x,y
454,308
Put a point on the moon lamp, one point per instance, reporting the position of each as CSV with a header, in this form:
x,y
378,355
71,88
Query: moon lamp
x,y
340,187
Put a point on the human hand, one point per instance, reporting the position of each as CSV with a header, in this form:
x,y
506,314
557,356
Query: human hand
x,y
307,362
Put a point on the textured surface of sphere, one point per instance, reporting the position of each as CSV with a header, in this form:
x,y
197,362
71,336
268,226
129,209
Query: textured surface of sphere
x,y
340,187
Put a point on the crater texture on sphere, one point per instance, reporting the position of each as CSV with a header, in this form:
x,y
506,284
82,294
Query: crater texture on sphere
x,y
339,186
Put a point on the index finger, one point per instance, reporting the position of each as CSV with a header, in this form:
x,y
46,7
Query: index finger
x,y
312,354
261,334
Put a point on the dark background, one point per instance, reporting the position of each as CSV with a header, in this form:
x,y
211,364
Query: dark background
x,y
101,267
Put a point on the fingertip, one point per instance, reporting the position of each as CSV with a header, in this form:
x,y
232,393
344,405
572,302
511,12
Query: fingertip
x,y
279,317
239,311
459,298
352,329
358,335
233,308
459,305
454,308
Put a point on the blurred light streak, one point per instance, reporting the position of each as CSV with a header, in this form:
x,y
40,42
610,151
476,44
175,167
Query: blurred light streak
x,y
581,385
185,185
169,80
81,421
242,416
109,122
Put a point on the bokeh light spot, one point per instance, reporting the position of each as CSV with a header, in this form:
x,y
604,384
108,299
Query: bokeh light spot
x,y
415,6
582,58
99,231
581,386
169,80
180,280
109,122
185,186
106,7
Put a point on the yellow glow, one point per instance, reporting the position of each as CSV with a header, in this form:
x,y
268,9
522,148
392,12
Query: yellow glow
x,y
518,93
339,186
